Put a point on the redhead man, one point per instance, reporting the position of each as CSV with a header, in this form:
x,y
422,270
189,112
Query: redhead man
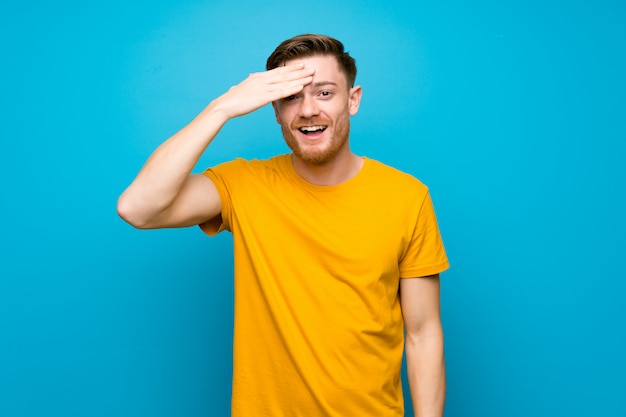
x,y
337,256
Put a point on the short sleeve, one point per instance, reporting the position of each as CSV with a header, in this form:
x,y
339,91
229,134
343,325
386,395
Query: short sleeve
x,y
219,175
426,254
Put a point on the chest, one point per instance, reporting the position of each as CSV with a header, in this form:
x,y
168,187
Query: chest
x,y
364,232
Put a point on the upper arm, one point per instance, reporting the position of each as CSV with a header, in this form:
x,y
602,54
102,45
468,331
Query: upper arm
x,y
197,201
419,298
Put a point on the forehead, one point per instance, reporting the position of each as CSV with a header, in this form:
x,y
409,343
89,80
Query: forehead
x,y
326,68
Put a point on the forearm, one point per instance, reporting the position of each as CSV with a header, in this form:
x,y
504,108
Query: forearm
x,y
151,198
426,372
163,175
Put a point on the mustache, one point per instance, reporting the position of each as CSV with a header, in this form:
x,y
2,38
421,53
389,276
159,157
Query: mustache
x,y
310,122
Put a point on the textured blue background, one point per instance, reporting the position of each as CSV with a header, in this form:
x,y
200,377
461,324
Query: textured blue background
x,y
512,112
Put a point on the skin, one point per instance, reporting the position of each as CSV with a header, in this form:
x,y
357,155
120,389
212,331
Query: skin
x,y
424,348
164,194
308,92
322,157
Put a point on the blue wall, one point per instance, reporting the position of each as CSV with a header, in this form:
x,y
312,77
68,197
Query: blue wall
x,y
512,112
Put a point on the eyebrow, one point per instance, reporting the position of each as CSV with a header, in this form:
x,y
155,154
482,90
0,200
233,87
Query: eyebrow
x,y
324,83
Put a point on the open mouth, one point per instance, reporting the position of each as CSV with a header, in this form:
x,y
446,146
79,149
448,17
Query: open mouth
x,y
312,130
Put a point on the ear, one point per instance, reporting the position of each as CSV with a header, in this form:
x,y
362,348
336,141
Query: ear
x,y
354,98
276,112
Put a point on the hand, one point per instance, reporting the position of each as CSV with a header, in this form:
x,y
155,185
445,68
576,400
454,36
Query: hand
x,y
262,88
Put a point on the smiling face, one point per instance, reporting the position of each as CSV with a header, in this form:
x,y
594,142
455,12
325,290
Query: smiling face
x,y
316,122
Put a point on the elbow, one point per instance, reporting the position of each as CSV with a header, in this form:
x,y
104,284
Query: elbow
x,y
427,334
131,212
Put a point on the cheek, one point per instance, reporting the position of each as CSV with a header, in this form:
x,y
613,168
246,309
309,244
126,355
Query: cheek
x,y
277,113
284,116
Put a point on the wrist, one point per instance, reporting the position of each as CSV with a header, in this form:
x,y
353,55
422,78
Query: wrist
x,y
213,114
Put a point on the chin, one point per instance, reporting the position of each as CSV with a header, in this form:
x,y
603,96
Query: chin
x,y
318,153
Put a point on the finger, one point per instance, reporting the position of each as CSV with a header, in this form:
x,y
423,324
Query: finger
x,y
289,88
290,72
287,68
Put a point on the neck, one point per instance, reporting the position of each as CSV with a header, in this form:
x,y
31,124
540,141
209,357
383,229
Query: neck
x,y
341,168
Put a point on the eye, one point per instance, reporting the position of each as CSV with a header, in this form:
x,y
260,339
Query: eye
x,y
291,98
326,94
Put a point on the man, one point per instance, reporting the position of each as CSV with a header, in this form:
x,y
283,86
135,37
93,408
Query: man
x,y
335,254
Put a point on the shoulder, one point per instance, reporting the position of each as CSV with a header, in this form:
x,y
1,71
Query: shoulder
x,y
242,166
249,175
394,178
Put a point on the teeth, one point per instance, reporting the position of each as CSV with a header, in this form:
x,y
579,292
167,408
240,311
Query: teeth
x,y
312,128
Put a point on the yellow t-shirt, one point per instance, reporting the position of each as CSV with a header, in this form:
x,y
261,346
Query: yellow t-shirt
x,y
318,325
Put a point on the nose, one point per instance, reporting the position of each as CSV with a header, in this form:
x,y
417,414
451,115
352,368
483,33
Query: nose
x,y
308,107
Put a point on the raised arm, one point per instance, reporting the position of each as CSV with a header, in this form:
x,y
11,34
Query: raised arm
x,y
424,344
164,193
